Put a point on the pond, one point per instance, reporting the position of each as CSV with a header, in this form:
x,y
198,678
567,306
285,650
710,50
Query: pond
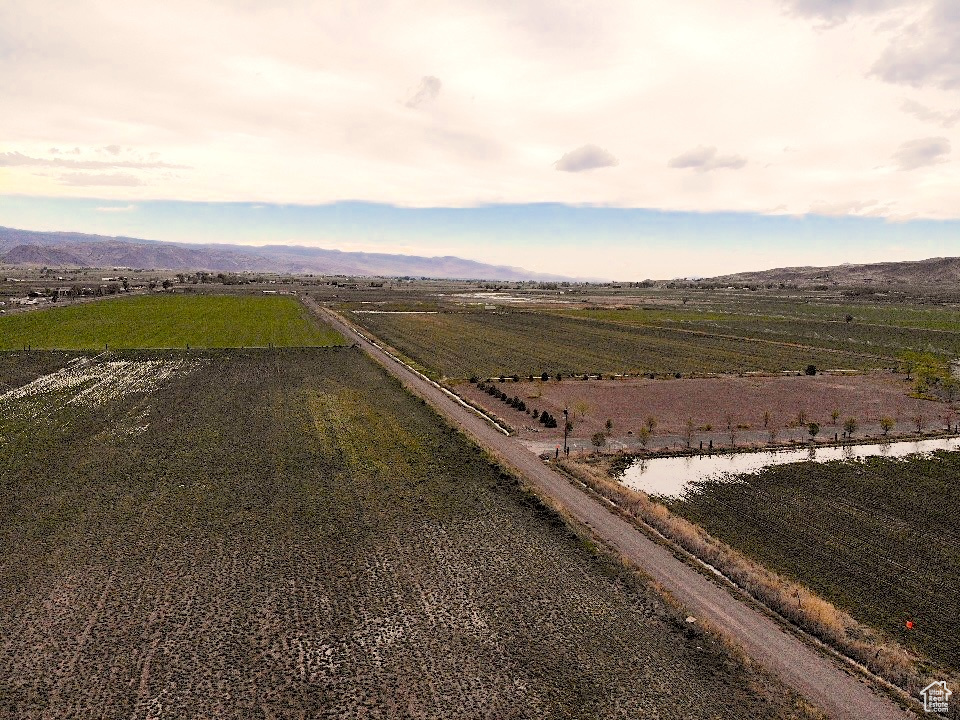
x,y
670,476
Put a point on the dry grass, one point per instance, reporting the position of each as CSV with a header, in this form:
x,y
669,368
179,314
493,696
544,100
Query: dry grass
x,y
793,601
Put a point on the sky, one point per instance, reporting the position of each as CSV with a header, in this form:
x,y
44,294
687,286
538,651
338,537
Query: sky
x,y
622,140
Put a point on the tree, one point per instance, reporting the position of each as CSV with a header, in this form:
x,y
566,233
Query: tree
x,y
919,420
766,418
848,318
850,427
644,436
772,433
545,377
811,370
886,424
834,417
651,424
581,407
598,439
608,425
813,428
688,432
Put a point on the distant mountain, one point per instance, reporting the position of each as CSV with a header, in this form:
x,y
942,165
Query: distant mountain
x,y
68,249
934,271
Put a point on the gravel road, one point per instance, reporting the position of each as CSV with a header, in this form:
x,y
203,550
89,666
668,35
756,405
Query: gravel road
x,y
820,679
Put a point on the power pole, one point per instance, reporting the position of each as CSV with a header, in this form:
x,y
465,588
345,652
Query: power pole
x,y
566,427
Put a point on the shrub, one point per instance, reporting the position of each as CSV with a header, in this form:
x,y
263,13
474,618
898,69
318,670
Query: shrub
x,y
598,439
811,370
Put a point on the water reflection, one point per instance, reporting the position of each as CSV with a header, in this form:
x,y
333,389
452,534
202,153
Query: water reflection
x,y
671,476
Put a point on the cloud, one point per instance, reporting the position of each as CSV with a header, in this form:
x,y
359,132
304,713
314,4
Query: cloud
x,y
116,208
428,90
921,153
926,52
704,158
850,207
16,159
102,179
922,112
112,149
837,11
587,157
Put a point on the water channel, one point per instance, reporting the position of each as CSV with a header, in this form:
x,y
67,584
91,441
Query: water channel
x,y
671,476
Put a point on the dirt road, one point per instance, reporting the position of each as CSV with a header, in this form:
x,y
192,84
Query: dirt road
x,y
821,680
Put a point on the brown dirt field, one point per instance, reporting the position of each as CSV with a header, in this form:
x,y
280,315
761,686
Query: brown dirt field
x,y
712,401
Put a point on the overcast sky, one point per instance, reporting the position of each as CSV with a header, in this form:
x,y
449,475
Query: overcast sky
x,y
745,108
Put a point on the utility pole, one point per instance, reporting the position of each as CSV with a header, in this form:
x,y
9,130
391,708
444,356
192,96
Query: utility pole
x,y
566,427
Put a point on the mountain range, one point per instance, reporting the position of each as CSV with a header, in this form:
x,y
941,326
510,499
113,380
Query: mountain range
x,y
70,249
933,271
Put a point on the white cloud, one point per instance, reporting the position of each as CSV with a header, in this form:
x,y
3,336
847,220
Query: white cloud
x,y
706,158
925,52
296,102
428,90
587,157
921,153
922,112
839,10
100,179
17,159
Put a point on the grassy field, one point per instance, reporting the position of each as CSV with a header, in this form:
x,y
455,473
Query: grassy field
x,y
168,321
287,533
879,538
489,344
880,332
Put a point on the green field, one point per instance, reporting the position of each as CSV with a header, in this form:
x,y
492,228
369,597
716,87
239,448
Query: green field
x,y
460,344
879,538
168,321
879,332
288,533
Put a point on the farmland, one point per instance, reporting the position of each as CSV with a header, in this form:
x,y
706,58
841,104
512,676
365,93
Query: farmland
x,y
756,408
460,344
878,538
168,321
287,533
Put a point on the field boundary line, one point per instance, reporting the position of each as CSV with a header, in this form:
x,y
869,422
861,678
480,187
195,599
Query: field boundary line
x,y
380,346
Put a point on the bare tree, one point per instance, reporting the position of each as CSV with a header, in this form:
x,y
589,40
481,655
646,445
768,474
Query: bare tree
x,y
886,424
850,427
